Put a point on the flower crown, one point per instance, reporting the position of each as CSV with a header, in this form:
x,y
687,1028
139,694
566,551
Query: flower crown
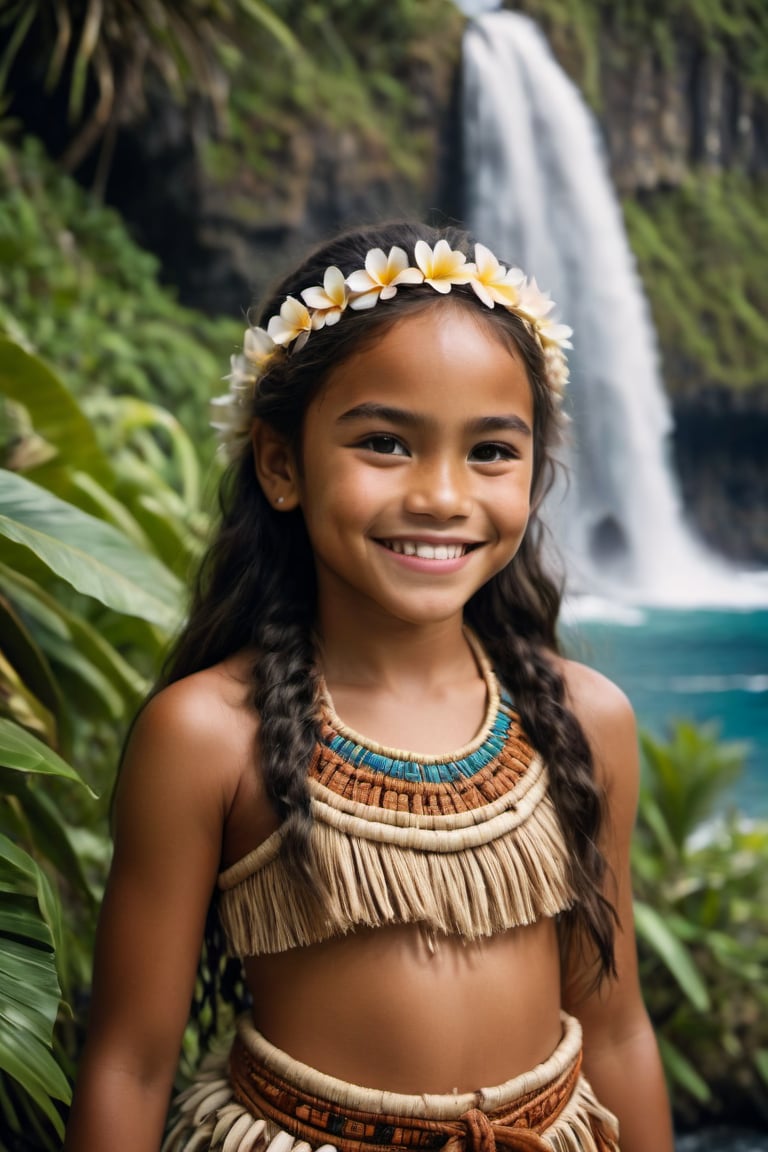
x,y
441,267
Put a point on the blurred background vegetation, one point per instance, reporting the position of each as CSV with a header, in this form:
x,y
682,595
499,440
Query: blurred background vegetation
x,y
107,467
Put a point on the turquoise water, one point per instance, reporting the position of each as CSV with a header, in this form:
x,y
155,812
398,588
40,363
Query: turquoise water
x,y
695,664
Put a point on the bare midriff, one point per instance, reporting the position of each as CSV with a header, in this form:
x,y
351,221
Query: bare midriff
x,y
384,1008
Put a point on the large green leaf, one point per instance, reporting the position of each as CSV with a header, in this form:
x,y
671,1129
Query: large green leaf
x,y
90,555
21,750
17,920
93,498
48,831
26,877
28,977
55,413
33,1066
51,621
88,689
654,931
132,415
21,650
29,986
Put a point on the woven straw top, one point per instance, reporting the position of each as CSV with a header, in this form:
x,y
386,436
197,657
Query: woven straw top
x,y
375,793
467,843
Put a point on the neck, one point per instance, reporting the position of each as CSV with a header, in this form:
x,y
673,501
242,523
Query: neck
x,y
394,655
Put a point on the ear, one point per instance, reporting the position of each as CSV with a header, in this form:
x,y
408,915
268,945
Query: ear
x,y
276,469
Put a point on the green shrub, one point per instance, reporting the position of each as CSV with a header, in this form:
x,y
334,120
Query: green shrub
x,y
102,514
701,886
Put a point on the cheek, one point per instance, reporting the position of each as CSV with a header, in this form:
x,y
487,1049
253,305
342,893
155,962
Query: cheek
x,y
515,509
344,496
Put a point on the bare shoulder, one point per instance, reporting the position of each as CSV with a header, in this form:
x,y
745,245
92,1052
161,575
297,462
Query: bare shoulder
x,y
192,742
597,701
608,720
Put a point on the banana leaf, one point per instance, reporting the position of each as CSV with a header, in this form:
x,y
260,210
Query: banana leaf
x,y
92,556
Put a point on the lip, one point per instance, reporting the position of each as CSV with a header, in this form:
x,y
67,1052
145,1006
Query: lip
x,y
420,563
431,541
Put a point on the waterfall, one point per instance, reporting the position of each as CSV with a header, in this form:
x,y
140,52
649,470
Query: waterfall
x,y
539,194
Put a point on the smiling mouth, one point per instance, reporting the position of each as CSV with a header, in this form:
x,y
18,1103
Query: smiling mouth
x,y
428,551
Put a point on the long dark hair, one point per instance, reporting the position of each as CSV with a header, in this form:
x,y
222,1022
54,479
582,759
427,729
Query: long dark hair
x,y
256,586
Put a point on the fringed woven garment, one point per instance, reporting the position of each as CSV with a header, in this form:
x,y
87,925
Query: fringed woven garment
x,y
260,1099
468,844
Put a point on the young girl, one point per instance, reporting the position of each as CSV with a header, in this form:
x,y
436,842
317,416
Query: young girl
x,y
413,925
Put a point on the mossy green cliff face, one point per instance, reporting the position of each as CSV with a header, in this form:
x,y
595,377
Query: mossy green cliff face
x,y
680,89
351,129
701,250
363,123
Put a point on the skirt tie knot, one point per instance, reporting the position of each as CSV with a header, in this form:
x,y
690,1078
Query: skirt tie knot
x,y
477,1132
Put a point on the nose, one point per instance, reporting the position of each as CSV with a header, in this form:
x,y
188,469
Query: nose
x,y
439,487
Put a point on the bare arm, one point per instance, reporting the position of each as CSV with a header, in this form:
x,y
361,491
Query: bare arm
x,y
171,804
621,1058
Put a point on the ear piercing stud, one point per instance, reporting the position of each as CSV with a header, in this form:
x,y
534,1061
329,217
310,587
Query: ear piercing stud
x,y
280,500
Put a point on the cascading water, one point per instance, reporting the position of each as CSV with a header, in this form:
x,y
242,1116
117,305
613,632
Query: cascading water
x,y
539,194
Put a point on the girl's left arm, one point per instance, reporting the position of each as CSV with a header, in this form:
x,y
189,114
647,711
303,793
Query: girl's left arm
x,y
621,1058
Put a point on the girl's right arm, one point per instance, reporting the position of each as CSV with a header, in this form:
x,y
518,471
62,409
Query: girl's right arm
x,y
173,795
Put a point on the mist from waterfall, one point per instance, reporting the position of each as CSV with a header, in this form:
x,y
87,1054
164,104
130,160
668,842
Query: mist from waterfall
x,y
539,194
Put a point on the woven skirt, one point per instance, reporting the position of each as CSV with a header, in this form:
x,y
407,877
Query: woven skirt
x,y
257,1099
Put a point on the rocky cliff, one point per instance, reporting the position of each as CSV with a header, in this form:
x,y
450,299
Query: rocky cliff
x,y
684,118
683,111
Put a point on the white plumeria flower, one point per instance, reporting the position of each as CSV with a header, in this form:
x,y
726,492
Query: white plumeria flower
x,y
442,267
327,303
293,323
492,282
534,306
381,277
532,303
258,346
554,335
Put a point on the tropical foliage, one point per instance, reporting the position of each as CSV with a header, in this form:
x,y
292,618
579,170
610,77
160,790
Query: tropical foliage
x,y
75,288
101,516
87,604
359,63
701,883
106,52
33,941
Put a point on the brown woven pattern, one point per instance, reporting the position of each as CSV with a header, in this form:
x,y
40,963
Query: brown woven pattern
x,y
256,1098
375,790
517,1126
464,844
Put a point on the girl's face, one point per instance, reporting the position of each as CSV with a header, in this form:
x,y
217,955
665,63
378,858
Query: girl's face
x,y
416,472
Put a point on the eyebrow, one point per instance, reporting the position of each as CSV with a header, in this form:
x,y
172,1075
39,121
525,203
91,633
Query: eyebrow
x,y
407,419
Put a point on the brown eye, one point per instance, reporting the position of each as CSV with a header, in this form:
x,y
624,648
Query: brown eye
x,y
492,453
384,445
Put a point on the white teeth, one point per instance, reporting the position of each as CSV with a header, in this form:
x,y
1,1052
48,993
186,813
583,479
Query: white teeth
x,y
427,551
